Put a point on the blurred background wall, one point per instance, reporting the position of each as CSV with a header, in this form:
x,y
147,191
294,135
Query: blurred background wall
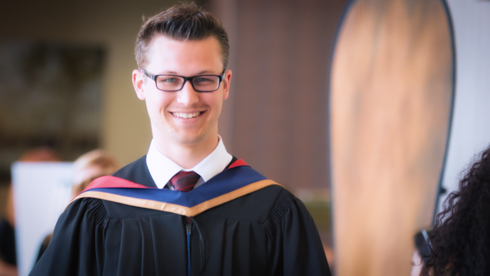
x,y
470,132
110,24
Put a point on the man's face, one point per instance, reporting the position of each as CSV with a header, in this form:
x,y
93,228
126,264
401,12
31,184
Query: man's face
x,y
185,117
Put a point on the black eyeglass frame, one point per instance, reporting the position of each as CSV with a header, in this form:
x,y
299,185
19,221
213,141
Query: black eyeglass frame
x,y
154,78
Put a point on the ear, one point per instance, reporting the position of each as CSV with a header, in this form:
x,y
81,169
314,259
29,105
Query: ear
x,y
226,84
138,79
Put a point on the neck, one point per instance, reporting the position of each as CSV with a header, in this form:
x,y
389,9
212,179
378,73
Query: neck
x,y
186,156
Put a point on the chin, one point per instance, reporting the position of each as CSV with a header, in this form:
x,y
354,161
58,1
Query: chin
x,y
190,140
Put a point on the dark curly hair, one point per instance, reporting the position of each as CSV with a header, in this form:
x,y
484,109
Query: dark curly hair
x,y
460,239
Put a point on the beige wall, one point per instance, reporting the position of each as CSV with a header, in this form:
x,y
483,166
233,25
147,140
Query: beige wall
x,y
113,24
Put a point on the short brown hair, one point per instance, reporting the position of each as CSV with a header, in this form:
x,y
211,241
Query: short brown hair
x,y
181,22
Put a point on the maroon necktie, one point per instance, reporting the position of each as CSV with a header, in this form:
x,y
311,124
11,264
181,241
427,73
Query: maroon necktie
x,y
184,181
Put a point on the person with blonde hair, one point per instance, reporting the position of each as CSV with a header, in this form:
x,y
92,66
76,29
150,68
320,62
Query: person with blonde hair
x,y
89,166
86,168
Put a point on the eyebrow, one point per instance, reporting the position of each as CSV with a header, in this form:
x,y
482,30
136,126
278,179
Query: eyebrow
x,y
204,72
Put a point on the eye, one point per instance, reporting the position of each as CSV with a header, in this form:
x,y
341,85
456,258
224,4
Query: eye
x,y
203,80
168,80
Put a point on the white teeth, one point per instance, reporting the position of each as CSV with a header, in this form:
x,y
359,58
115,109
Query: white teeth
x,y
186,115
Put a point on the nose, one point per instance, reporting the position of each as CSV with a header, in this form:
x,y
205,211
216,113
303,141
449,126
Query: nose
x,y
187,95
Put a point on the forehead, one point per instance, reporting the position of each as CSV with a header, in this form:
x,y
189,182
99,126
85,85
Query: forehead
x,y
180,56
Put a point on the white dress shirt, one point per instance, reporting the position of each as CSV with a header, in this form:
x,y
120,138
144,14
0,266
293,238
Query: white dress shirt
x,y
162,169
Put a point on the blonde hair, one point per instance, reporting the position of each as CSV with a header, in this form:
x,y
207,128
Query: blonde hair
x,y
91,165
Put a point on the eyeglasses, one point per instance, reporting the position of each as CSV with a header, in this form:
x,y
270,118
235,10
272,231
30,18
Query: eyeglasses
x,y
174,83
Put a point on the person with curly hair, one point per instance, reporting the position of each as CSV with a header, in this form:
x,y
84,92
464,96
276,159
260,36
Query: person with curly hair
x,y
460,239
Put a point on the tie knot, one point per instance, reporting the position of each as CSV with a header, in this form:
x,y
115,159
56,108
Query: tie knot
x,y
184,181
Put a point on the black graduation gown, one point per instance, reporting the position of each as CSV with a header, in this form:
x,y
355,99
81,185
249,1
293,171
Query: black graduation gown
x,y
266,232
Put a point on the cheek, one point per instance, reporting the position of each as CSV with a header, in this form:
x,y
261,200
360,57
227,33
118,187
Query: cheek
x,y
214,101
216,106
157,102
154,111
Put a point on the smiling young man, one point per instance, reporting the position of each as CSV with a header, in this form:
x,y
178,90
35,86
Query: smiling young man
x,y
188,207
184,122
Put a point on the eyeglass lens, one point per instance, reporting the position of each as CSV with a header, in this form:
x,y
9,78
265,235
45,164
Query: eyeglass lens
x,y
200,83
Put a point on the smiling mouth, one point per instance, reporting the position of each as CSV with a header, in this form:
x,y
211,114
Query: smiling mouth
x,y
186,115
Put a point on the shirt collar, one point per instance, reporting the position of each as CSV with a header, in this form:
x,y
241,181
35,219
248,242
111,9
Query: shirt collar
x,y
162,169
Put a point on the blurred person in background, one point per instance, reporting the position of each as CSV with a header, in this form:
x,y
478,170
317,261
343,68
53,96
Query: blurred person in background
x,y
8,251
86,168
91,165
460,238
